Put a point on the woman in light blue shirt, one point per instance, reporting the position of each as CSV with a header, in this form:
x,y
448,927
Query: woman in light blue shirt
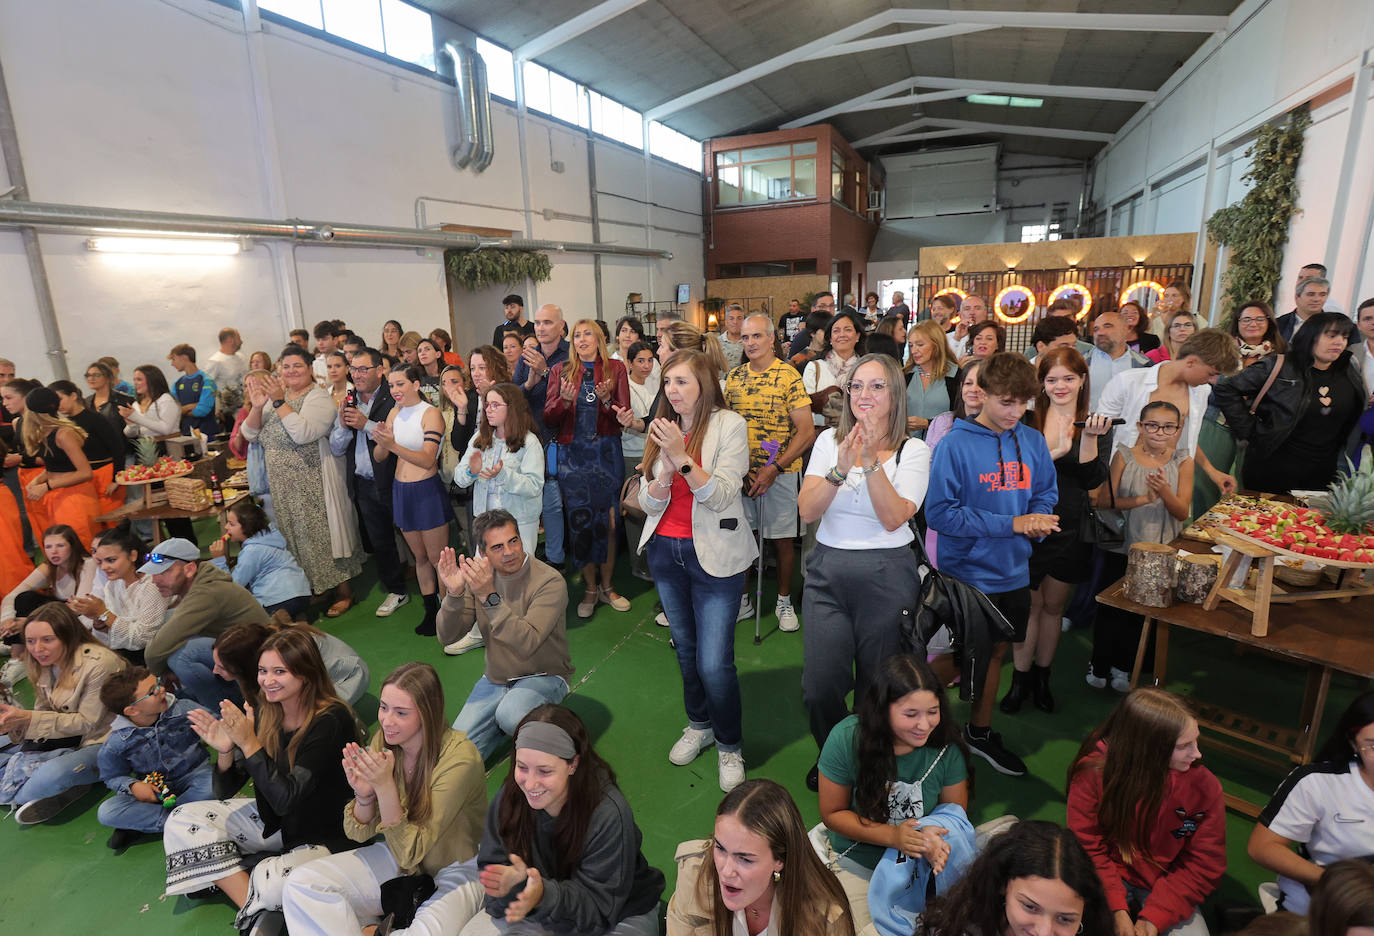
x,y
930,377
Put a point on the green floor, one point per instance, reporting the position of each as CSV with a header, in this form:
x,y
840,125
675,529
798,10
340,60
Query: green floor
x,y
61,878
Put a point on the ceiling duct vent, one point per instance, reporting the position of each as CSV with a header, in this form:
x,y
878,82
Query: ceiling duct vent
x,y
466,63
481,103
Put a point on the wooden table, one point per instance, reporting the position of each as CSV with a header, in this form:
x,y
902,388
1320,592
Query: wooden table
x,y
1324,636
164,511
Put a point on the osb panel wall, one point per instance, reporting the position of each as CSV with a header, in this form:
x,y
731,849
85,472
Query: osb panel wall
x,y
1154,249
777,289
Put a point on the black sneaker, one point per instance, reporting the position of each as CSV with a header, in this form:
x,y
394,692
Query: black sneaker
x,y
990,749
121,839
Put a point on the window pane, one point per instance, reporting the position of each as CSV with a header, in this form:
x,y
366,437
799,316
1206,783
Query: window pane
x,y
409,33
302,11
804,266
774,268
500,69
562,98
765,152
731,157
805,148
536,87
612,115
767,181
632,128
357,21
804,178
584,117
727,186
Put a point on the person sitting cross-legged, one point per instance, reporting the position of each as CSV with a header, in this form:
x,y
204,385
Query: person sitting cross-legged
x,y
521,607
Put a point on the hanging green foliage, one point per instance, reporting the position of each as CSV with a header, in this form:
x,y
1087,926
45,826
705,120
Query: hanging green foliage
x,y
1255,229
481,269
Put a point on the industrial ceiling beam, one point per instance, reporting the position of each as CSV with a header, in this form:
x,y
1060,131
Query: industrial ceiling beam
x,y
883,135
1017,19
856,46
978,126
573,28
927,135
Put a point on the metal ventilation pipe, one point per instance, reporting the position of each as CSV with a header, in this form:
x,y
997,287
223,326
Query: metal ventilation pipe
x,y
481,102
467,111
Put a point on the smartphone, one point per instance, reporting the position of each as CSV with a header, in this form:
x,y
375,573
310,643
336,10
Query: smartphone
x,y
1115,422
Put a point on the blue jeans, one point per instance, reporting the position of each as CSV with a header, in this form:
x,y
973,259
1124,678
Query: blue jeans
x,y
123,811
493,710
553,521
73,768
701,612
194,665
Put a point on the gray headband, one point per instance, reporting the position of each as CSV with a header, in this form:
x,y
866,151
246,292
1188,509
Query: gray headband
x,y
546,737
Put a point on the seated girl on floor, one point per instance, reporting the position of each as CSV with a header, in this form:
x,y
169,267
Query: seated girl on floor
x,y
234,654
757,873
265,566
1152,819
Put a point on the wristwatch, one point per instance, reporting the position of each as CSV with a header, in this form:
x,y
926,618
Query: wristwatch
x,y
491,600
104,616
686,469
278,404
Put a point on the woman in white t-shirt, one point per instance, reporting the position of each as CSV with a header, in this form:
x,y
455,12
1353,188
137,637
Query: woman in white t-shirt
x,y
1326,808
864,483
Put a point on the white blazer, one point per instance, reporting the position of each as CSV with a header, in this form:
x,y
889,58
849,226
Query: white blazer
x,y
724,544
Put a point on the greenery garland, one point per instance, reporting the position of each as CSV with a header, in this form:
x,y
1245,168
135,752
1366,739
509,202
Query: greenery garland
x,y
1256,227
481,269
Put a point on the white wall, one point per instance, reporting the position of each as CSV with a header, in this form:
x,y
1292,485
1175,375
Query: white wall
x,y
151,105
1276,55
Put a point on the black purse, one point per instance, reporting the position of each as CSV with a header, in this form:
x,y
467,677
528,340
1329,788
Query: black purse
x,y
402,897
1105,529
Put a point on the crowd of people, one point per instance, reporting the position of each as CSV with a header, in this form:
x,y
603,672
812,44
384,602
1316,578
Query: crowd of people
x,y
854,446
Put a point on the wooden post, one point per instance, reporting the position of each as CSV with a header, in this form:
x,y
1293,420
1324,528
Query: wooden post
x,y
1150,574
1197,574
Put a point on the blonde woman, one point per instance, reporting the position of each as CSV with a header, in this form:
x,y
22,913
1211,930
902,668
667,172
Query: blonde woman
x,y
930,374
580,410
420,785
64,489
1179,326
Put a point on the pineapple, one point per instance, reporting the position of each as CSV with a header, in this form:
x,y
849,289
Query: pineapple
x,y
1351,508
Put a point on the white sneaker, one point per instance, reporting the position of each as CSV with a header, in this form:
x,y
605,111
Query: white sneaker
x,y
472,640
393,601
731,770
1097,682
692,743
1065,625
746,608
787,617
1121,680
661,619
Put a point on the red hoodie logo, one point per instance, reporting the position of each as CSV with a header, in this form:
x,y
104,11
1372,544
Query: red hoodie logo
x,y
1010,476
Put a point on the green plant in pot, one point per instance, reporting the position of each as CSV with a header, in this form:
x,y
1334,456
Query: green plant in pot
x,y
480,269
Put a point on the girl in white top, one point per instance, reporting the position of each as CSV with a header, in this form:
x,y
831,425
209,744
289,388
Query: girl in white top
x,y
864,483
504,462
644,386
413,431
69,570
155,412
132,609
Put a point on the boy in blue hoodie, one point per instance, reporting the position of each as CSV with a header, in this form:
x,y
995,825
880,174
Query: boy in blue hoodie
x,y
993,490
151,734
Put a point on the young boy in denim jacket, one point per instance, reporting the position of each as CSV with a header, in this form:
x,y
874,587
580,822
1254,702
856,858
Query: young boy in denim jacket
x,y
151,734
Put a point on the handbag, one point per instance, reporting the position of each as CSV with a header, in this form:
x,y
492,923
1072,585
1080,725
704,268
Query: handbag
x,y
1105,528
1244,440
629,497
402,896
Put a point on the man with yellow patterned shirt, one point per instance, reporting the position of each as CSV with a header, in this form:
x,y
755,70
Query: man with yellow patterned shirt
x,y
769,394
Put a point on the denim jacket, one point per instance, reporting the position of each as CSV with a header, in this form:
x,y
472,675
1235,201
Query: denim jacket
x,y
267,569
168,746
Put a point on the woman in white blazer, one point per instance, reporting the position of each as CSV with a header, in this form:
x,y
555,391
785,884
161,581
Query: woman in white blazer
x,y
699,548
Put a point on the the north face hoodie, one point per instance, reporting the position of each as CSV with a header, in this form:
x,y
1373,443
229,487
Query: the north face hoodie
x,y
980,481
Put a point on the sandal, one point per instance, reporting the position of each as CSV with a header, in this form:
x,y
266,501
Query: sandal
x,y
617,602
339,607
587,605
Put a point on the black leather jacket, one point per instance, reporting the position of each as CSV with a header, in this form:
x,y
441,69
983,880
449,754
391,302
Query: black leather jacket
x,y
1284,405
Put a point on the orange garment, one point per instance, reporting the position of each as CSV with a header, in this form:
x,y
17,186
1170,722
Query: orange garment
x,y
15,564
453,359
104,477
39,518
76,506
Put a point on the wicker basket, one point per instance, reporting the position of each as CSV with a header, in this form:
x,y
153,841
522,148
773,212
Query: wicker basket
x,y
187,493
1292,575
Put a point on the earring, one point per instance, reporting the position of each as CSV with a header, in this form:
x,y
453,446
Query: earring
x,y
777,876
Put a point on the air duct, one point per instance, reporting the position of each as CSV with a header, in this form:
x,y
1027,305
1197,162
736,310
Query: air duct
x,y
481,105
466,116
85,219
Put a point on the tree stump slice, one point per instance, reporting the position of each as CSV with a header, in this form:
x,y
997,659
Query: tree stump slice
x,y
1196,576
1151,574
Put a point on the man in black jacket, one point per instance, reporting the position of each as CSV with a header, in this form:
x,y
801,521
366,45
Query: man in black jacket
x,y
369,480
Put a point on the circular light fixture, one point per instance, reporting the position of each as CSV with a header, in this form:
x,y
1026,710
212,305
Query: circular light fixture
x,y
1073,287
1019,290
1151,285
952,291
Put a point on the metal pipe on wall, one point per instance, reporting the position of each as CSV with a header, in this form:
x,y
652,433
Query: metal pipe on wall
x,y
33,253
94,220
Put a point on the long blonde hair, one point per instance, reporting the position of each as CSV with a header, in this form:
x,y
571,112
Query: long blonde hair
x,y
302,659
939,359
708,401
684,336
36,427
421,683
602,354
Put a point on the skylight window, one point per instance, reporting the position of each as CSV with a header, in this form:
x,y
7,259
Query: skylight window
x,y
1005,100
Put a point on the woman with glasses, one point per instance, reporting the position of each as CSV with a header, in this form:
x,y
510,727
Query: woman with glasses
x,y
865,480
1325,808
105,400
1152,481
1179,326
291,417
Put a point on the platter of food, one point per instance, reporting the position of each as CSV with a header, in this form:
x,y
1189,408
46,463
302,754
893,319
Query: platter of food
x,y
160,470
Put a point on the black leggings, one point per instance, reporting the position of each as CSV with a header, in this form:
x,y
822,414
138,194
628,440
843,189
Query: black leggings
x,y
1116,633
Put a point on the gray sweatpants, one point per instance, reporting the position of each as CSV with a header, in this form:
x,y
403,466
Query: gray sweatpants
x,y
854,605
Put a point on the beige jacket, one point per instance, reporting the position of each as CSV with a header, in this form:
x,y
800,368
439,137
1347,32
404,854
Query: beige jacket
x,y
457,810
72,708
687,916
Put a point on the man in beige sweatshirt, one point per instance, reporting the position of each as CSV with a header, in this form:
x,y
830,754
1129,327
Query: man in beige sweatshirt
x,y
521,607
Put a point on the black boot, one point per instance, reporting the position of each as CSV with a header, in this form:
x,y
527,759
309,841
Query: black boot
x,y
1040,688
1017,694
427,627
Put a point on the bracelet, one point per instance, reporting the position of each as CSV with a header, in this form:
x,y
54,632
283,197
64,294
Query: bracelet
x,y
368,801
873,467
834,476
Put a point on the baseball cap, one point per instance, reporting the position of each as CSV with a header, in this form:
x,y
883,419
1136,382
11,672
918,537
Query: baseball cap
x,y
167,552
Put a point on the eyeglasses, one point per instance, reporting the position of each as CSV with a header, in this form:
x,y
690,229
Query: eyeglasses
x,y
1253,320
1366,748
157,686
363,370
1183,324
90,375
1155,428
495,405
857,387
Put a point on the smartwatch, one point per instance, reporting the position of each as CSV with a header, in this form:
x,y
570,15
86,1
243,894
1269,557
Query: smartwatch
x,y
685,469
278,404
491,600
